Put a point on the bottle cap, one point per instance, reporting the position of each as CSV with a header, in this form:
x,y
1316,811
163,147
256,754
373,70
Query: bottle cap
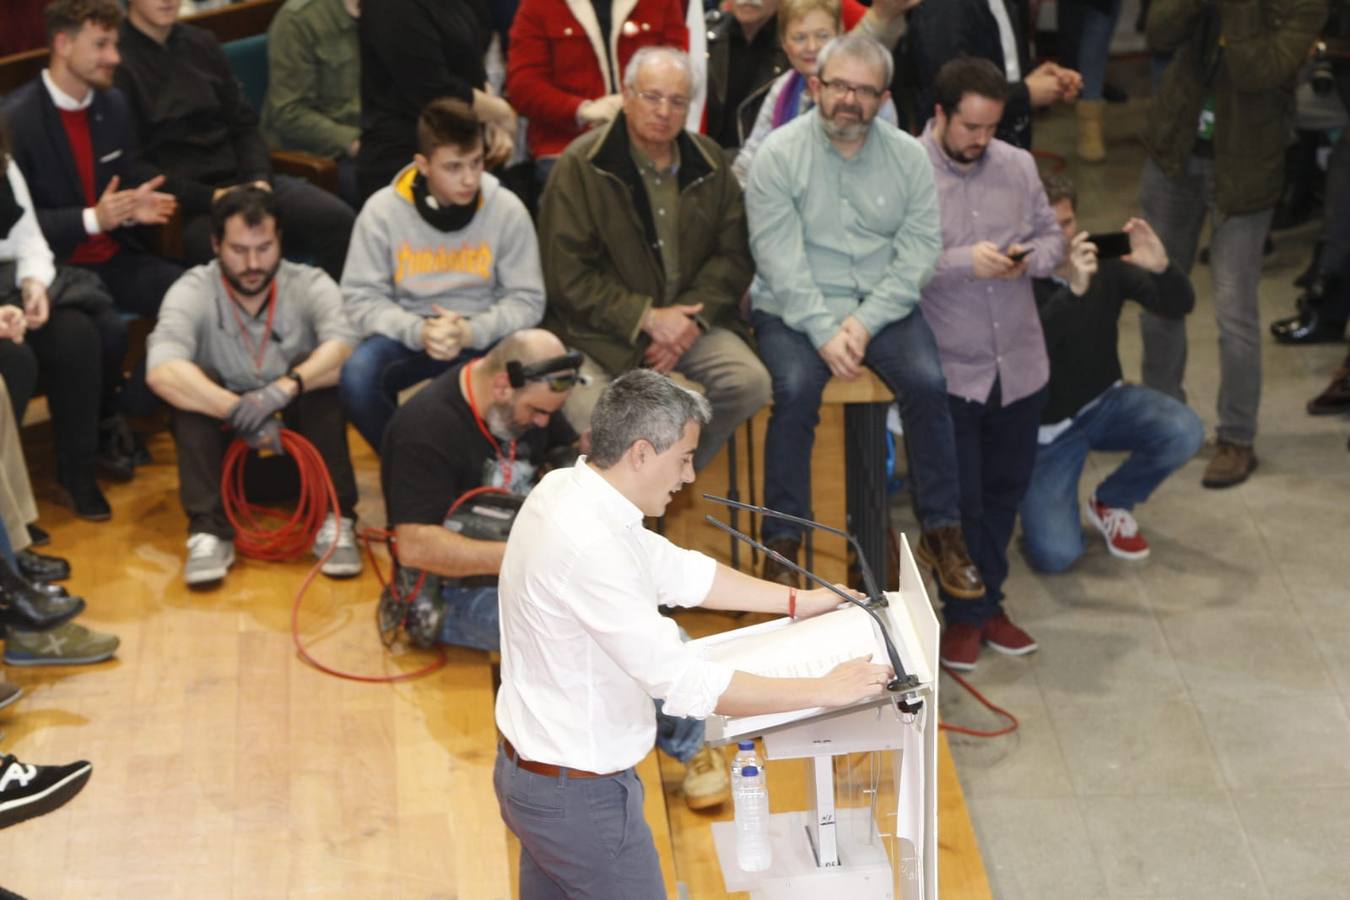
x,y
749,771
746,745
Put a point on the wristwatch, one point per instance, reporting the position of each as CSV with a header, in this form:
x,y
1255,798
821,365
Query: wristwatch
x,y
299,382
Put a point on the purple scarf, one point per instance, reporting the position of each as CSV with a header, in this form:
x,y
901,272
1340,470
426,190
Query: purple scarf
x,y
785,110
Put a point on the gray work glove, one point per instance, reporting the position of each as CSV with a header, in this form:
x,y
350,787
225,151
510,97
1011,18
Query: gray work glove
x,y
266,437
256,407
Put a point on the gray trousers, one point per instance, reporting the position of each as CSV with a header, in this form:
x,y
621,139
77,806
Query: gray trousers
x,y
731,375
580,838
1176,208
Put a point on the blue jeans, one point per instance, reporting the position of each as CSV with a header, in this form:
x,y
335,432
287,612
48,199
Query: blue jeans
x,y
373,375
1158,432
471,620
1094,47
905,356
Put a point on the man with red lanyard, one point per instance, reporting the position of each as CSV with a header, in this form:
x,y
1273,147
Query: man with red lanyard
x,y
585,648
237,341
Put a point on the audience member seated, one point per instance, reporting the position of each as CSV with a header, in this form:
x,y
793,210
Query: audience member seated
x,y
1089,406
35,612
805,27
477,425
838,287
998,232
413,52
443,264
313,100
645,253
998,31
1216,138
566,60
195,125
239,340
73,139
58,325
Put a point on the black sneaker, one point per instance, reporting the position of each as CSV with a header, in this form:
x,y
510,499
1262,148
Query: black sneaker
x,y
27,791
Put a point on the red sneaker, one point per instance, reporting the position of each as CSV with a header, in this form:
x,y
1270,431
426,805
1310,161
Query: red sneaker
x,y
1005,637
1119,528
960,646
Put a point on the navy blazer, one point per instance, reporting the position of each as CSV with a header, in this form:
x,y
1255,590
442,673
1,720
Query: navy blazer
x,y
39,145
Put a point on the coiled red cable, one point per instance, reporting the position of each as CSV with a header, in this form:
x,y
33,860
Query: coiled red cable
x,y
295,535
988,704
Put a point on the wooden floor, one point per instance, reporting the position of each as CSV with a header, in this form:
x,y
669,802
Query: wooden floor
x,y
224,767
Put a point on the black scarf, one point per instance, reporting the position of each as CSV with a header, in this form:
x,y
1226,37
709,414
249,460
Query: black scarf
x,y
442,216
10,210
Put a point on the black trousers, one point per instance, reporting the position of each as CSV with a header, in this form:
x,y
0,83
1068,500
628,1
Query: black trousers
x,y
316,227
138,281
66,356
202,441
996,453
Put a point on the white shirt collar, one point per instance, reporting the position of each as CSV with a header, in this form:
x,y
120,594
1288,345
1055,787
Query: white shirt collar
x,y
63,100
620,506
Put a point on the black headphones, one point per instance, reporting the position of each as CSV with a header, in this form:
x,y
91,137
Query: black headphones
x,y
561,372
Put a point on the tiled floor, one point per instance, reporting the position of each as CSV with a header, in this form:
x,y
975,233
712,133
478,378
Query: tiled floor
x,y
1184,724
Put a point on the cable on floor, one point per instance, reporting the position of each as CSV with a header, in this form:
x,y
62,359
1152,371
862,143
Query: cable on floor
x,y
988,704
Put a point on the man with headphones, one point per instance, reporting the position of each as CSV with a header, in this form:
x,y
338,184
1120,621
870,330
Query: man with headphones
x,y
481,428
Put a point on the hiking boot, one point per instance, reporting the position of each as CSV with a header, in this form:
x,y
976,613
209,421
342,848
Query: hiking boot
x,y
209,558
943,550
27,791
777,572
1005,637
960,646
70,645
1118,527
706,782
1232,464
345,560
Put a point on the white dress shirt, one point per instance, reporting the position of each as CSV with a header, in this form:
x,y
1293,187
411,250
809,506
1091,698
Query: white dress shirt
x,y
584,647
25,244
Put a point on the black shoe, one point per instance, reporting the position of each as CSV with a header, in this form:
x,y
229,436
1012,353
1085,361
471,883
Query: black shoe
x,y
39,567
49,590
1308,275
39,537
30,610
115,447
87,500
27,791
1308,327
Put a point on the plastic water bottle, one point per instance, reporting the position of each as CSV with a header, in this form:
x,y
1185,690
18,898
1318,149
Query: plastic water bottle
x,y
745,756
753,852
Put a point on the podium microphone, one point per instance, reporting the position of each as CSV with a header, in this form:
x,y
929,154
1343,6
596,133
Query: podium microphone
x,y
902,681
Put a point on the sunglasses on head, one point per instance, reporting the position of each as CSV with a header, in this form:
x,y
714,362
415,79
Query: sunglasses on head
x,y
560,373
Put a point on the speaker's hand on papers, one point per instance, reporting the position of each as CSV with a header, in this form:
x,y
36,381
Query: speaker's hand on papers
x,y
852,681
821,600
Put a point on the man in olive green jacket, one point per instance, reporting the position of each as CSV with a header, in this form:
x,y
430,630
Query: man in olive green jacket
x,y
313,100
646,256
1216,139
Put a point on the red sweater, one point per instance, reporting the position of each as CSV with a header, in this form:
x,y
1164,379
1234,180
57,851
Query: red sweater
x,y
97,248
557,59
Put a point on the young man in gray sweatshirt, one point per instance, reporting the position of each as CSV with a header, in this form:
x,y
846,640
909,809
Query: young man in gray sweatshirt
x,y
443,264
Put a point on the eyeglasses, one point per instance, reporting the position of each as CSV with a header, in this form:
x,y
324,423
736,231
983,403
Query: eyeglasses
x,y
844,88
559,382
652,98
799,38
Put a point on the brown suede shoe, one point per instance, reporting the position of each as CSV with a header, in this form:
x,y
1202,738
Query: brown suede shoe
x,y
944,551
777,572
1336,398
1231,465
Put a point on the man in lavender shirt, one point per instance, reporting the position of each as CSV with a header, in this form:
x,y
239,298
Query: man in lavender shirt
x,y
998,232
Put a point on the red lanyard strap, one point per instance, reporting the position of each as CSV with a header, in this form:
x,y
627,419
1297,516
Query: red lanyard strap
x,y
509,462
255,352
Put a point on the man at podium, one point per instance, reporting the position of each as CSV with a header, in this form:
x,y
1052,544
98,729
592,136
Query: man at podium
x,y
585,648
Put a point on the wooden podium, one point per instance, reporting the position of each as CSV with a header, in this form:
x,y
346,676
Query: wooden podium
x,y
881,841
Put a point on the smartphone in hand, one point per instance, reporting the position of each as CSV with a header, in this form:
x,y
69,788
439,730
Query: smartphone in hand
x,y
1020,254
1111,244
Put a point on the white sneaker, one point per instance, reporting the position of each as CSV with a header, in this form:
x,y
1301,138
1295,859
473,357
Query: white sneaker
x,y
346,559
209,558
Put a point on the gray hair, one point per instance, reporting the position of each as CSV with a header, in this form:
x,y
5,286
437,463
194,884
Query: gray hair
x,y
860,47
642,405
645,55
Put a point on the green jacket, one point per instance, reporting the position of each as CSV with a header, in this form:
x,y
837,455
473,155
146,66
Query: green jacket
x,y
313,98
602,264
1254,49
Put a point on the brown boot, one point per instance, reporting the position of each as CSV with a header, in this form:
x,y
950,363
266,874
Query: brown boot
x,y
944,551
1091,142
777,572
1336,398
1231,465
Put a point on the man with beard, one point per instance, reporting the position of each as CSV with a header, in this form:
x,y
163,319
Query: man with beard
x,y
239,340
998,232
491,422
844,229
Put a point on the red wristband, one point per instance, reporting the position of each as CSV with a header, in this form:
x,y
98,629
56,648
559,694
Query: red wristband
x,y
792,603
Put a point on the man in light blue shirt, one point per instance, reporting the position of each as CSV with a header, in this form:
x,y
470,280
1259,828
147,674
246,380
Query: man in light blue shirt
x,y
845,232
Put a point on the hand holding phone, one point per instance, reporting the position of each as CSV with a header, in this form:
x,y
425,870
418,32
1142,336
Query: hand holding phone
x,y
1111,244
1019,255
